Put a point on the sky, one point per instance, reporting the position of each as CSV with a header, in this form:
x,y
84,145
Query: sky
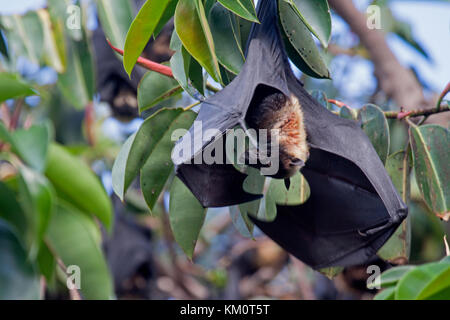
x,y
431,26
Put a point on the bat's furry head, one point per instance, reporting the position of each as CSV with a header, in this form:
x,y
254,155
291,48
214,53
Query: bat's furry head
x,y
284,116
291,137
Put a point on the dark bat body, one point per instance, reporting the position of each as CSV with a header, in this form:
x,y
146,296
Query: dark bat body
x,y
353,208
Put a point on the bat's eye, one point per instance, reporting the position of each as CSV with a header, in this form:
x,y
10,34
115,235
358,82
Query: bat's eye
x,y
296,162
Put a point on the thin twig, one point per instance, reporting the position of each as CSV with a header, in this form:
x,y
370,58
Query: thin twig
x,y
442,95
5,115
192,106
211,88
74,293
447,248
148,64
337,103
16,114
89,118
416,113
403,114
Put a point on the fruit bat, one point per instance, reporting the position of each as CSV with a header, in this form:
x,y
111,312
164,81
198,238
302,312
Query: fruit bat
x,y
353,209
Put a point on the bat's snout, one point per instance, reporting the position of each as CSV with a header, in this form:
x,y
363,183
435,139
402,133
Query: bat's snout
x,y
297,163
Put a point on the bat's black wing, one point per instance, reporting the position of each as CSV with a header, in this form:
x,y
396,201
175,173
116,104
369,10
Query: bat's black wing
x,y
221,185
353,208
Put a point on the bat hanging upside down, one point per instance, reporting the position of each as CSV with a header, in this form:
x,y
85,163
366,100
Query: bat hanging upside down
x,y
353,207
282,116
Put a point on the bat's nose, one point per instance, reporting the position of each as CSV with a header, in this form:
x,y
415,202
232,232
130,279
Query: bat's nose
x,y
297,163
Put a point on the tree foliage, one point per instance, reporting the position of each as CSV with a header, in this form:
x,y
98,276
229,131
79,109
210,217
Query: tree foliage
x,y
52,204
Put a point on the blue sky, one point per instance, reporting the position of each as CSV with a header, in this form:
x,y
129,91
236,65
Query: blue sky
x,y
431,26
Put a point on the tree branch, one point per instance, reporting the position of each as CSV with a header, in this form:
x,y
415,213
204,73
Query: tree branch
x,y
148,64
157,67
416,113
396,81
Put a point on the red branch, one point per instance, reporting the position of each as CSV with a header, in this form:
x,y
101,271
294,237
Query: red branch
x,y
442,95
148,64
340,104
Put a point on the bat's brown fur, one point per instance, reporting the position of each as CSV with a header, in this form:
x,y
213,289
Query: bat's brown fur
x,y
284,114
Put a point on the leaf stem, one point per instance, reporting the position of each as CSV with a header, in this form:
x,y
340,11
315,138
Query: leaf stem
x,y
148,64
192,106
442,95
337,103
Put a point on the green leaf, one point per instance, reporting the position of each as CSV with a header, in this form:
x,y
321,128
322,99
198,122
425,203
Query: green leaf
x,y
25,35
193,30
430,149
18,277
29,144
376,127
38,200
32,145
149,150
386,294
77,83
159,166
445,259
297,194
74,237
299,43
404,31
13,87
186,216
155,88
76,183
167,15
228,49
316,16
196,76
254,184
390,24
58,11
141,30
348,113
122,173
321,97
331,272
242,32
115,17
46,263
243,8
179,63
390,277
11,212
3,46
397,249
241,222
424,282
54,43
